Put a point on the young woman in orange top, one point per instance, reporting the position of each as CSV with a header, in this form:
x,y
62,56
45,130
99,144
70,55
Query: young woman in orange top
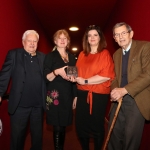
x,y
95,73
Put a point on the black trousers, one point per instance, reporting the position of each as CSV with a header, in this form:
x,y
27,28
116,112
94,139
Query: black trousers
x,y
91,125
19,121
127,132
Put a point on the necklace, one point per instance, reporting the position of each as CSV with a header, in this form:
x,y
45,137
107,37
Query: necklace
x,y
65,58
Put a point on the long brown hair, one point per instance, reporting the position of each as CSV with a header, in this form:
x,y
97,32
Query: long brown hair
x,y
86,46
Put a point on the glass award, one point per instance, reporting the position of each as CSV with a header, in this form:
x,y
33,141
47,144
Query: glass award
x,y
72,71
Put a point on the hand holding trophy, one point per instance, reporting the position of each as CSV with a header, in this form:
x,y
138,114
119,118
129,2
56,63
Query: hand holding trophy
x,y
72,73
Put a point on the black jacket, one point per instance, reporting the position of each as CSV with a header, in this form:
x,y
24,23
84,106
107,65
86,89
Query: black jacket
x,y
14,68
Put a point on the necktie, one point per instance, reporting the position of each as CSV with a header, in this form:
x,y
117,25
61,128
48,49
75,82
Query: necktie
x,y
125,52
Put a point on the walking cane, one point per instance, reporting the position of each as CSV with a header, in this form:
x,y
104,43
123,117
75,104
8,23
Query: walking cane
x,y
112,124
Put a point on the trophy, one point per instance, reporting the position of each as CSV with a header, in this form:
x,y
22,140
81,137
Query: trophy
x,y
72,71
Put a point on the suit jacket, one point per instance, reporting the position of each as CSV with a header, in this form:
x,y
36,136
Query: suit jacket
x,y
14,68
138,74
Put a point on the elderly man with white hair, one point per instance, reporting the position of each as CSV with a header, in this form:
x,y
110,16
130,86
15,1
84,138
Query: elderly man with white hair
x,y
24,67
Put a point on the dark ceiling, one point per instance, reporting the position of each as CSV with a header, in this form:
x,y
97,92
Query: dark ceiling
x,y
62,14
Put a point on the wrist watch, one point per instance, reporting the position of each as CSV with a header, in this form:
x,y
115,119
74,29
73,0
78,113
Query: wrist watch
x,y
86,81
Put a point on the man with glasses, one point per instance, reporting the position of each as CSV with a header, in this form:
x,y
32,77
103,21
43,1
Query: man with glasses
x,y
132,83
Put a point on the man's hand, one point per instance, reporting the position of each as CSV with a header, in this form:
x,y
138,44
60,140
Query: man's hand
x,y
0,99
117,93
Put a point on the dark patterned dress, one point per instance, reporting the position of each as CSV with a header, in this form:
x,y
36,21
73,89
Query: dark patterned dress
x,y
60,92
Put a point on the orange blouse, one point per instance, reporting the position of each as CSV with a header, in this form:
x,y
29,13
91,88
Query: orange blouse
x,y
95,64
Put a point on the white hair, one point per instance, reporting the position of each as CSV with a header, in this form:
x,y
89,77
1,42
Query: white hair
x,y
29,32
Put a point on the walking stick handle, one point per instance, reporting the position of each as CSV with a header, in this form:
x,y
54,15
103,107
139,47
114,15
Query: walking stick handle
x,y
112,124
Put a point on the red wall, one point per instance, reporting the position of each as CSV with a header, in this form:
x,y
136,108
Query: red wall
x,y
4,126
137,15
17,16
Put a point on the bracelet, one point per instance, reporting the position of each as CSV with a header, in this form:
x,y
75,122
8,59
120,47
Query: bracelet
x,y
54,73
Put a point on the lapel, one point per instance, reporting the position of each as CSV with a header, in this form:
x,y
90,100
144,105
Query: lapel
x,y
119,65
132,55
20,58
130,60
40,61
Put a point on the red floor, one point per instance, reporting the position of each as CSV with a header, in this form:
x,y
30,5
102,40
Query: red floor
x,y
71,142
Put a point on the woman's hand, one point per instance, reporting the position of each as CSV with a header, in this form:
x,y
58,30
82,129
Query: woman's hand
x,y
80,80
74,103
62,73
72,79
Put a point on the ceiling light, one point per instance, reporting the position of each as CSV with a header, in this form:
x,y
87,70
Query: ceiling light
x,y
73,28
74,49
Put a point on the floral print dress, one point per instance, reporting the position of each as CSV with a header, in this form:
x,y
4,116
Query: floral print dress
x,y
60,92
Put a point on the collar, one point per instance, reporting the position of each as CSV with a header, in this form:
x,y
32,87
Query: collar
x,y
28,54
127,49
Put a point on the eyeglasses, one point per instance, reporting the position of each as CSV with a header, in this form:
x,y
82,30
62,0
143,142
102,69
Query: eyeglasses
x,y
116,35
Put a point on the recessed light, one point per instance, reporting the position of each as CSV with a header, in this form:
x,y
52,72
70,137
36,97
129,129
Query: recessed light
x,y
74,49
73,28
